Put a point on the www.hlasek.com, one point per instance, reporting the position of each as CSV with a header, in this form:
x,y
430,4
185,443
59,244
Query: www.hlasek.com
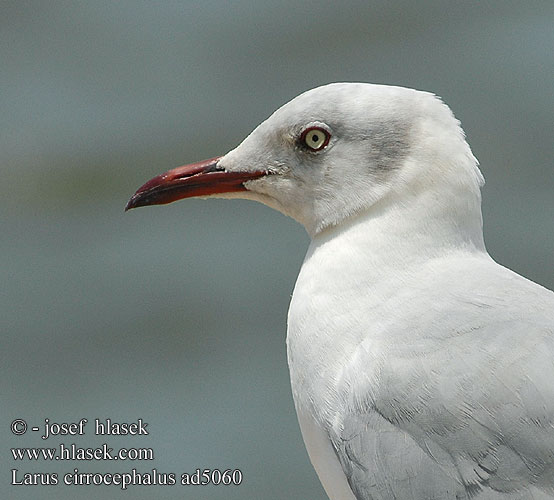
x,y
74,452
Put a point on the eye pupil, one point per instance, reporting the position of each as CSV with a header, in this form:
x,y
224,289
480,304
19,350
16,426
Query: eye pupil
x,y
315,137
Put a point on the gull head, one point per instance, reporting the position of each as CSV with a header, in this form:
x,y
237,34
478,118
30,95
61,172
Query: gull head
x,y
340,151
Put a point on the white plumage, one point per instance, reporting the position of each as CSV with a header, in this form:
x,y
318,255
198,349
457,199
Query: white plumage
x,y
420,368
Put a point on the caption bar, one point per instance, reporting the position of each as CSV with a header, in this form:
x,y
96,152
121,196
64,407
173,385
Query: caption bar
x,y
73,452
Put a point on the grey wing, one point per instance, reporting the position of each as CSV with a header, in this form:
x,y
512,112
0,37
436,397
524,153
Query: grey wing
x,y
383,462
478,425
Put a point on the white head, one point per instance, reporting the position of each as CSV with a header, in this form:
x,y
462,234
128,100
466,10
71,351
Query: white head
x,y
339,150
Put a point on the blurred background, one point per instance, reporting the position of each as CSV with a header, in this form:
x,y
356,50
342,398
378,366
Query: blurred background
x,y
177,314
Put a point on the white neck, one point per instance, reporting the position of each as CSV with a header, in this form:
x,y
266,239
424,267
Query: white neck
x,y
376,252
400,229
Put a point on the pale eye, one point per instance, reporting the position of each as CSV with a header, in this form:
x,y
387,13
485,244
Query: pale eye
x,y
315,138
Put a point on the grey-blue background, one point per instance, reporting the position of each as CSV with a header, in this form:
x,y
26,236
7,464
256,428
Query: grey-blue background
x,y
177,314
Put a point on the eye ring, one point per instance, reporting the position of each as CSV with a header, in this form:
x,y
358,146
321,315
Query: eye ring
x,y
315,138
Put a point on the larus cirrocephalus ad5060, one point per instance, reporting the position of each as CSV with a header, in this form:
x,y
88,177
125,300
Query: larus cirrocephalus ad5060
x,y
420,368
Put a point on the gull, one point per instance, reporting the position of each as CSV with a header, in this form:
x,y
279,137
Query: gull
x,y
420,368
